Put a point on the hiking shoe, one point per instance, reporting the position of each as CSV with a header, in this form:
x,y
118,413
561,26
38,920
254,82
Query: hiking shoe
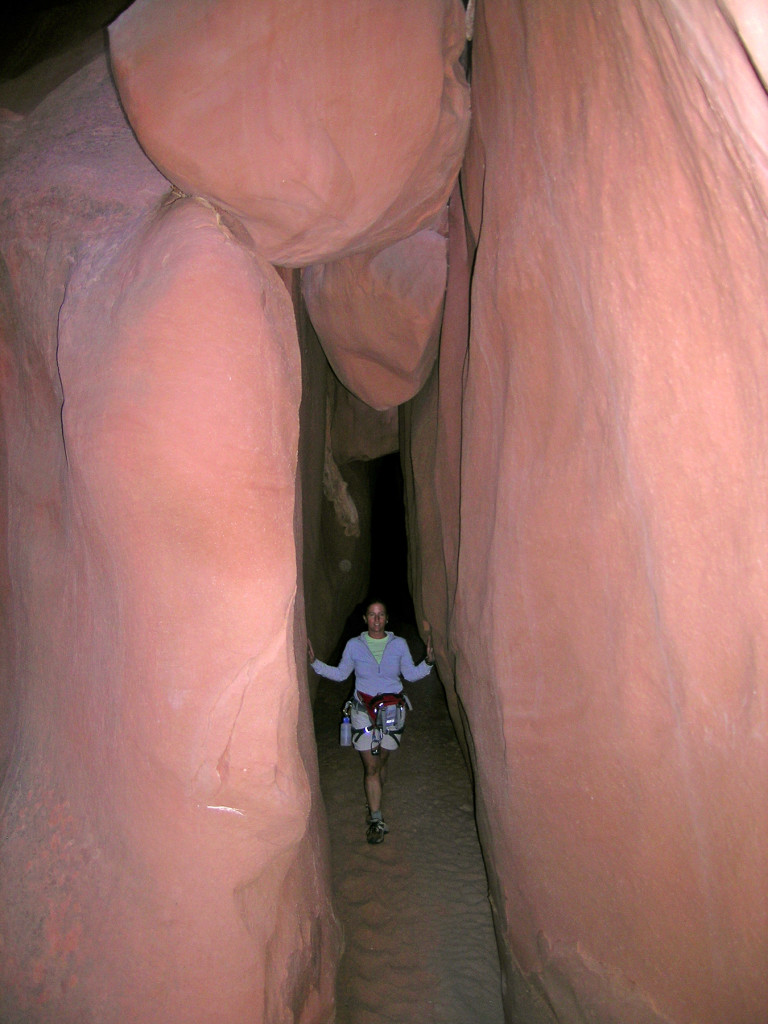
x,y
369,820
376,831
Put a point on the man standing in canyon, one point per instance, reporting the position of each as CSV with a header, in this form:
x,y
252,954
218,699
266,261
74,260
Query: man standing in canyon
x,y
379,659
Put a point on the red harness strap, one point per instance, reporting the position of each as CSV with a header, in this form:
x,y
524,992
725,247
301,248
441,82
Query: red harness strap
x,y
372,701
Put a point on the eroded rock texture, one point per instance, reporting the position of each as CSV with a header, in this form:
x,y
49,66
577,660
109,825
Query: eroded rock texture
x,y
280,113
163,858
378,316
609,623
585,469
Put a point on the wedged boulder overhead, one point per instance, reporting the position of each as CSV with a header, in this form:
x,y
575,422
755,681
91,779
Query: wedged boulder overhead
x,y
327,127
610,633
378,315
163,854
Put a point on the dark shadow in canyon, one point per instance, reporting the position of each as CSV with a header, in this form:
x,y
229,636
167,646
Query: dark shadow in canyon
x,y
388,568
417,905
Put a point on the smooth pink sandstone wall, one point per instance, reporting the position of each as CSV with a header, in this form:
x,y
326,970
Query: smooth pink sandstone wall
x,y
378,315
609,638
279,114
587,484
163,853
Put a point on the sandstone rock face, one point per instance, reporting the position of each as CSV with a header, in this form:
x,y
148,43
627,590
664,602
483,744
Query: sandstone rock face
x,y
378,316
163,855
431,461
585,468
328,128
609,631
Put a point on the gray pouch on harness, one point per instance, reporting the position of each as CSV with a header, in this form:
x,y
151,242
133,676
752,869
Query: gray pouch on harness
x,y
389,710
387,714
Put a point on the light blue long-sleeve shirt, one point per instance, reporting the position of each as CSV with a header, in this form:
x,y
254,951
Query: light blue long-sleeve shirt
x,y
371,677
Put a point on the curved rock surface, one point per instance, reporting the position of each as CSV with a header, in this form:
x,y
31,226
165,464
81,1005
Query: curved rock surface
x,y
608,637
163,858
378,316
585,470
327,127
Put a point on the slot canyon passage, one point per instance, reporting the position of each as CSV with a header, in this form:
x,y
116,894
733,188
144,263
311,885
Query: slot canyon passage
x,y
247,249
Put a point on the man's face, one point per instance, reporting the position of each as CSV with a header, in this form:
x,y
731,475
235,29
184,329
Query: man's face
x,y
376,620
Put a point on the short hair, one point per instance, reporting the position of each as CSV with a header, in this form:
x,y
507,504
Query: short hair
x,y
375,600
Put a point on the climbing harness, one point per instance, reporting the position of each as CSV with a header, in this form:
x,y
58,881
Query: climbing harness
x,y
386,712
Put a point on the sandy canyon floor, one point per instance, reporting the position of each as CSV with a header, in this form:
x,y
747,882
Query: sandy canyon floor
x,y
419,942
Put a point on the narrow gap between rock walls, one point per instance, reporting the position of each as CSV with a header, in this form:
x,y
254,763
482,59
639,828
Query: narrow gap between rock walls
x,y
418,933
